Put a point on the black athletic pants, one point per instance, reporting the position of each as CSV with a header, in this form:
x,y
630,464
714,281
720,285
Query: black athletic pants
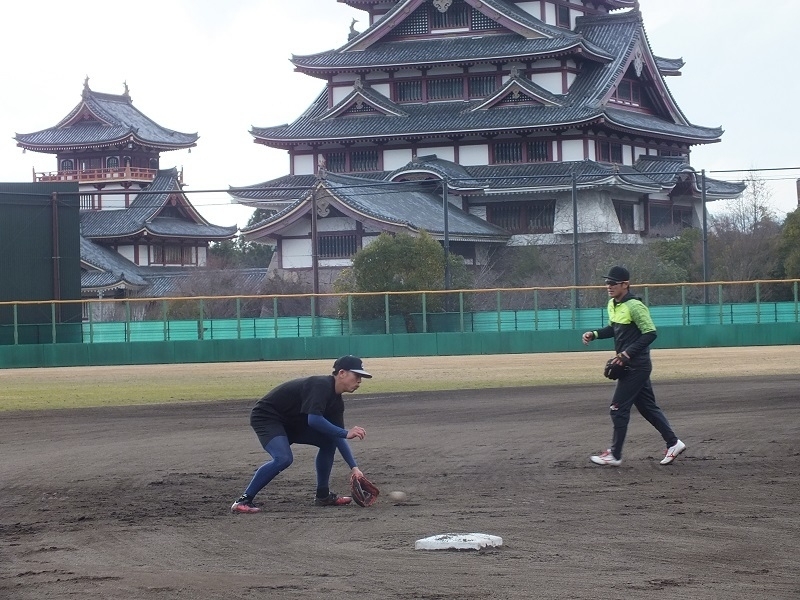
x,y
634,389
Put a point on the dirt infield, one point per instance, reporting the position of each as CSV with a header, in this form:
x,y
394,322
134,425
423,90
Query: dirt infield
x,y
132,502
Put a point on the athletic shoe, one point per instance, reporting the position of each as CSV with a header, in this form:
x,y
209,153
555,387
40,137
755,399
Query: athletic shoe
x,y
606,458
244,505
672,453
333,500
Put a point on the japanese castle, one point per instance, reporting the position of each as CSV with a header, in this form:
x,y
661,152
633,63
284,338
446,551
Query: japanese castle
x,y
140,234
510,111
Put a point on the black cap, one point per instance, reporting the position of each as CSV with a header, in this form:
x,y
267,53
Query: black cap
x,y
617,275
350,363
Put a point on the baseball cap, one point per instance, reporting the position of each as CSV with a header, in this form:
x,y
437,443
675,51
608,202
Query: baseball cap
x,y
617,275
350,363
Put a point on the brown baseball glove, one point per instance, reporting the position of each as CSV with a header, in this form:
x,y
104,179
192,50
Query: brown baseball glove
x,y
614,370
364,492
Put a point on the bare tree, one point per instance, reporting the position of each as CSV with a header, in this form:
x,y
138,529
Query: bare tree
x,y
744,238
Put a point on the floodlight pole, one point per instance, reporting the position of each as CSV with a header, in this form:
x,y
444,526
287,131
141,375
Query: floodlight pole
x,y
446,203
575,277
705,234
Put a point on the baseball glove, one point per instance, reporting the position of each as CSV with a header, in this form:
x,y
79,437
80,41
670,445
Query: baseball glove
x,y
365,493
614,370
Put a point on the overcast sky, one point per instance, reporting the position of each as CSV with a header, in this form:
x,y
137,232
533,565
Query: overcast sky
x,y
220,68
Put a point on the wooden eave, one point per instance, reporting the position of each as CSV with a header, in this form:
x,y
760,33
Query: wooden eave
x,y
283,143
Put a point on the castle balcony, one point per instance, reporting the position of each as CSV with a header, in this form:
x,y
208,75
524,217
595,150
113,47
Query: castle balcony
x,y
134,174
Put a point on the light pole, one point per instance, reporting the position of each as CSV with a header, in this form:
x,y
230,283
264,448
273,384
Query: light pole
x,y
575,278
445,203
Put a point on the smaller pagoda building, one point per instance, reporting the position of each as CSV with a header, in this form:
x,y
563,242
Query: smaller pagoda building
x,y
136,222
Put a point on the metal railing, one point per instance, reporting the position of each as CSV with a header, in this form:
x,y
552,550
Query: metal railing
x,y
94,321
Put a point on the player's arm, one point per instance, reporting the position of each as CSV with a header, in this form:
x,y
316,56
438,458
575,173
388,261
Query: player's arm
x,y
323,425
599,334
640,315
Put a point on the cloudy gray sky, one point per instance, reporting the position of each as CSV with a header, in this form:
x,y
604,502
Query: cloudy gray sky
x,y
219,68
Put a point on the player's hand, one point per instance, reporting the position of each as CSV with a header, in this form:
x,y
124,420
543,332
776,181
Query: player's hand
x,y
588,337
356,432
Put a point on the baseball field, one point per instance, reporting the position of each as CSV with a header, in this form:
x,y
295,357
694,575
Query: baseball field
x,y
116,483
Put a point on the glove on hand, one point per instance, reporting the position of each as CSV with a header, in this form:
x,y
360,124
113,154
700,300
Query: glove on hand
x,y
364,492
614,369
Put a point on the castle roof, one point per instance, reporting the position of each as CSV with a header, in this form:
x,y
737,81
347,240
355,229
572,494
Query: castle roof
x,y
606,46
160,210
101,120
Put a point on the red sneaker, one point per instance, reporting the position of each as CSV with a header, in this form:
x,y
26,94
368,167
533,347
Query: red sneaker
x,y
333,500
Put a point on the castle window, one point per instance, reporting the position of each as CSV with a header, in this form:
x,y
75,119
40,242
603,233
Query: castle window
x,y
523,217
562,17
624,212
507,152
336,162
408,91
67,165
519,152
537,151
481,86
112,162
665,216
337,246
445,89
364,160
610,152
628,92
172,255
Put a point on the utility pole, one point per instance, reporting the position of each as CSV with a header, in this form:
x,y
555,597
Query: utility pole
x,y
705,234
446,203
575,277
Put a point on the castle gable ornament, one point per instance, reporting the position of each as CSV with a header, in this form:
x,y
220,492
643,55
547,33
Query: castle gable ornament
x,y
638,62
442,5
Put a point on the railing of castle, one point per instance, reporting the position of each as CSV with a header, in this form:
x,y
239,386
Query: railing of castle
x,y
131,320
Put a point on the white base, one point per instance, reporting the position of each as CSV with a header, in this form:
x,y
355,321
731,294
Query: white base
x,y
458,541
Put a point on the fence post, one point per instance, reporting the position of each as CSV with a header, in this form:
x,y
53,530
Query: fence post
x,y
275,315
424,313
386,311
350,314
16,323
499,319
238,318
53,321
461,312
758,302
127,321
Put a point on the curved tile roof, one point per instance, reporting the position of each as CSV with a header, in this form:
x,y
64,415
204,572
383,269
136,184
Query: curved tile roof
x,y
394,205
620,35
428,53
102,119
143,215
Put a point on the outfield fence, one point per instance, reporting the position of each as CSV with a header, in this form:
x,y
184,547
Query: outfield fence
x,y
132,320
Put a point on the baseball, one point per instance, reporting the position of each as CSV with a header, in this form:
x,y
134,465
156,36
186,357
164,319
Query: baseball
x,y
398,496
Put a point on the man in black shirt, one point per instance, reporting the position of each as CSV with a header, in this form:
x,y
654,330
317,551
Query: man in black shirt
x,y
306,411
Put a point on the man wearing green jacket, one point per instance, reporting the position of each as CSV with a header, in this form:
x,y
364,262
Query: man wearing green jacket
x,y
630,325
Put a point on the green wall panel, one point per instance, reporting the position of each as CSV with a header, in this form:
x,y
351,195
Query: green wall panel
x,y
430,344
414,344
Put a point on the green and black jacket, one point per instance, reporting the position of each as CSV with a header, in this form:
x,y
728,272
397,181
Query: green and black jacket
x,y
632,328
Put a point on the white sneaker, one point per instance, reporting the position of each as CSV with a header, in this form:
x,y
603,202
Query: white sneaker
x,y
672,453
606,458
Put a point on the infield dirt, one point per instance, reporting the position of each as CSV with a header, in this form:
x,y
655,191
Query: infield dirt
x,y
132,502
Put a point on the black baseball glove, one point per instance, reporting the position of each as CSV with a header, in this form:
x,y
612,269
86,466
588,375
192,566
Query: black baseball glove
x,y
614,369
365,493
